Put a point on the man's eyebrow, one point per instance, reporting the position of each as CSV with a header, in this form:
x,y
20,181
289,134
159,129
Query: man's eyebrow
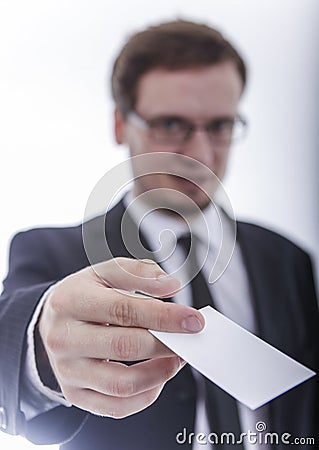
x,y
170,116
223,118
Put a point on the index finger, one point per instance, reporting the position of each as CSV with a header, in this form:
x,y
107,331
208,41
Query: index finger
x,y
136,275
106,305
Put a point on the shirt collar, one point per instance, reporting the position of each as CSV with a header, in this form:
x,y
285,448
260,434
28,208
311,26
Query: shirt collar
x,y
161,230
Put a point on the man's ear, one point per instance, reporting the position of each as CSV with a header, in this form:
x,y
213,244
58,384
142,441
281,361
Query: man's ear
x,y
119,126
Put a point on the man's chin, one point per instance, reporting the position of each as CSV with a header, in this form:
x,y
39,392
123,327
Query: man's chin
x,y
188,200
184,207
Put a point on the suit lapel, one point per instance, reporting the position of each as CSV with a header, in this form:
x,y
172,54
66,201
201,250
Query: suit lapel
x,y
104,237
123,237
134,244
266,280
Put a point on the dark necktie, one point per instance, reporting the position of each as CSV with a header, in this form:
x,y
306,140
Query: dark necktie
x,y
221,407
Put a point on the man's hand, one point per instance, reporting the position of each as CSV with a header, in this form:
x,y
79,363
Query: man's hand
x,y
91,321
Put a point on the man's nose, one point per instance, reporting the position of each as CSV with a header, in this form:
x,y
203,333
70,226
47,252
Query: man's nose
x,y
200,147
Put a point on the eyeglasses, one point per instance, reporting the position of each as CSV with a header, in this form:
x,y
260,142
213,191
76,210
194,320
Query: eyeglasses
x,y
175,130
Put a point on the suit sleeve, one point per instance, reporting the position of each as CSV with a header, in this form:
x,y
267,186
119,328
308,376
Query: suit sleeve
x,y
32,270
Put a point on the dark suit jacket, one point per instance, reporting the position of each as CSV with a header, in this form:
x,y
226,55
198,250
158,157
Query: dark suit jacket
x,y
283,294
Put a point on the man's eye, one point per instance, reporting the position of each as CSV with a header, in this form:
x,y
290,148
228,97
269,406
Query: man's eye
x,y
174,124
169,125
221,126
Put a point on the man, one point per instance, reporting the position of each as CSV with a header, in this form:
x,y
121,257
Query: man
x,y
68,330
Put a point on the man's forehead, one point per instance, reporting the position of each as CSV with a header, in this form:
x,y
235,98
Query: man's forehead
x,y
161,90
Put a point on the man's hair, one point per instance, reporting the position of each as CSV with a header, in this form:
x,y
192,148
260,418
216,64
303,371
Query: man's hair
x,y
172,46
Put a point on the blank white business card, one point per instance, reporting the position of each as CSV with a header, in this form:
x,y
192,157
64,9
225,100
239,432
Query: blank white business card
x,y
239,362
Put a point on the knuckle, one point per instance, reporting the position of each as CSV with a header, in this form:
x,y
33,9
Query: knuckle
x,y
55,342
166,373
153,394
163,318
140,268
119,260
146,268
58,300
123,313
64,370
121,263
55,301
126,347
170,370
123,387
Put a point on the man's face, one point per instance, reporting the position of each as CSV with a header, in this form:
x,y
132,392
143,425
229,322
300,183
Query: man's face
x,y
170,99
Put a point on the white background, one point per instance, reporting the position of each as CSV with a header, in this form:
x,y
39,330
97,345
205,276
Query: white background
x,y
56,136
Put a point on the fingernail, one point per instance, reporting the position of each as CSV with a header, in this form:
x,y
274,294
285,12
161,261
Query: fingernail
x,y
191,323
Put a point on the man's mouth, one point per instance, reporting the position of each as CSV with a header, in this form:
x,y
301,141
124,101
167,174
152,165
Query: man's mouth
x,y
189,184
